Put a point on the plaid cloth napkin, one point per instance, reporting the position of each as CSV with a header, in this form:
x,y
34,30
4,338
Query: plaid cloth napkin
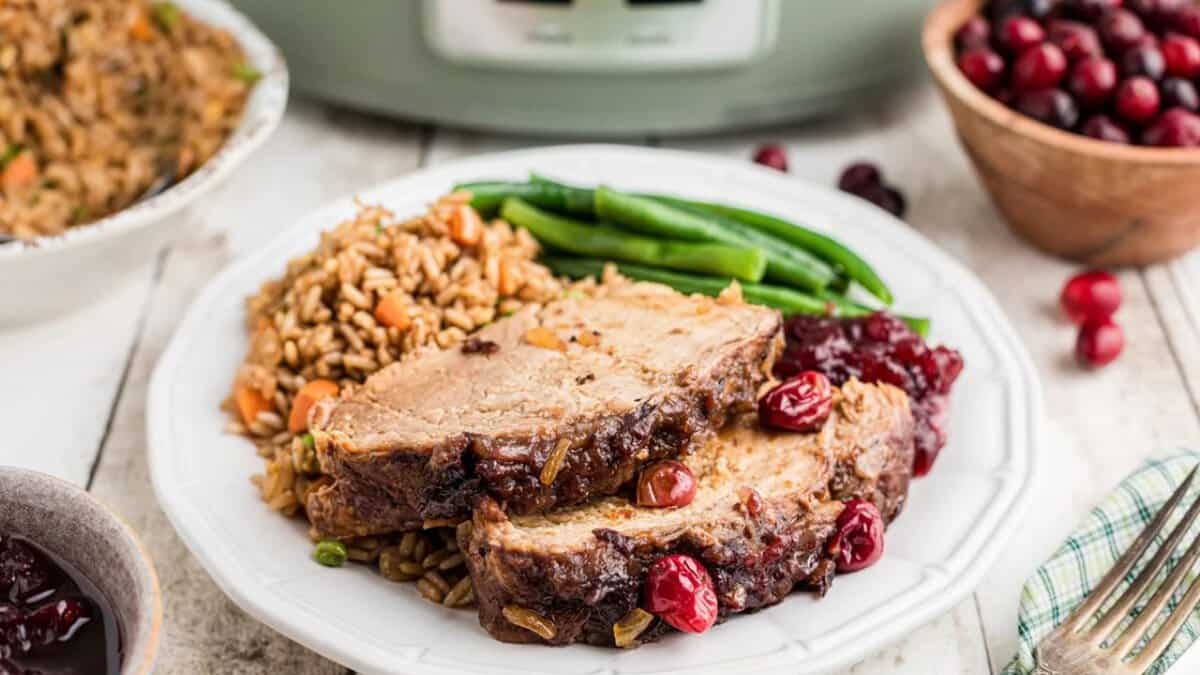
x,y
1069,575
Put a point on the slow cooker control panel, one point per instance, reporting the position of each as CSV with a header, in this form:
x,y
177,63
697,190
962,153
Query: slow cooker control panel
x,y
601,35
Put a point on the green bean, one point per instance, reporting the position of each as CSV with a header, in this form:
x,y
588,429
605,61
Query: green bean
x,y
822,246
786,263
604,241
488,196
331,553
786,300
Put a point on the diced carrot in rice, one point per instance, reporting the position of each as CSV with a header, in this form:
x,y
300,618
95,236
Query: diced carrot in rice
x,y
140,27
392,311
250,402
466,228
305,399
20,172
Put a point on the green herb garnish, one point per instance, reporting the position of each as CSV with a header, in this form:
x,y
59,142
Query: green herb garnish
x,y
10,153
166,15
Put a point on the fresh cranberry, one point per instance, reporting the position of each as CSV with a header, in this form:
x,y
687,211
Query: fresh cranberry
x,y
1041,9
1019,33
857,541
1137,99
1041,67
974,33
1187,21
1077,40
1181,54
1179,93
983,67
1093,80
1099,343
666,484
802,403
1102,127
1051,106
887,198
1144,60
1090,10
1176,128
772,155
1120,29
1090,295
1159,13
998,10
859,176
680,591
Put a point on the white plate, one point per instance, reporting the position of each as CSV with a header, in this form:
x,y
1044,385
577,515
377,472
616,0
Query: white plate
x,y
956,522
83,263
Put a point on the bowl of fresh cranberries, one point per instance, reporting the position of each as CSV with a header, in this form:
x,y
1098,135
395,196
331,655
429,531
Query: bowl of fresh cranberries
x,y
78,593
1082,118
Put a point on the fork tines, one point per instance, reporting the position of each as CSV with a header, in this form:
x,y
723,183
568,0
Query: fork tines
x,y
1120,644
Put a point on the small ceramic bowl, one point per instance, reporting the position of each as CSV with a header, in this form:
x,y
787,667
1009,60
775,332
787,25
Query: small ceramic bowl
x,y
1091,201
71,524
52,275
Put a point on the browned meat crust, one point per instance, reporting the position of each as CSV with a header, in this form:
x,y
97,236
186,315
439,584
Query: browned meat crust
x,y
583,569
641,373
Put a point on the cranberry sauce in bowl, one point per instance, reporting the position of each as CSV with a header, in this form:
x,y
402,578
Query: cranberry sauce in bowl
x,y
879,348
53,619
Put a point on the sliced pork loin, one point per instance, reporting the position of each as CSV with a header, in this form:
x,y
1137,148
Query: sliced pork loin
x,y
548,407
578,571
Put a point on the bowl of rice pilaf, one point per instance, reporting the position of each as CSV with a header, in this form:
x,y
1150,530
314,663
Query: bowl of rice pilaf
x,y
115,114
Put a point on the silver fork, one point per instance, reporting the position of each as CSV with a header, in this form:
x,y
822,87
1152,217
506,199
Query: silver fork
x,y
1079,647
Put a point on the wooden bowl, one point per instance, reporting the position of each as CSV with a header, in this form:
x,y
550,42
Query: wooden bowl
x,y
1095,202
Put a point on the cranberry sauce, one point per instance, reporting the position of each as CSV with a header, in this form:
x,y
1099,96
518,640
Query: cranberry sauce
x,y
879,348
53,620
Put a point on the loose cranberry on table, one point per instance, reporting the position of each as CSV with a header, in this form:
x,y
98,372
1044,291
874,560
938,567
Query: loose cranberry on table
x,y
680,591
802,403
772,155
1090,295
666,484
1176,128
863,179
1099,343
857,541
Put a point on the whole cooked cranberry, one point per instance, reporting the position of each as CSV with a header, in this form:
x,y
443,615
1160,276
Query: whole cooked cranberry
x,y
25,574
802,403
974,33
1051,106
1041,67
1137,99
1179,93
1090,295
680,591
887,198
983,67
1099,343
1102,127
1176,128
858,177
1187,21
1182,55
1090,10
666,484
1120,29
57,621
1144,60
857,541
772,155
1018,33
1077,40
1093,80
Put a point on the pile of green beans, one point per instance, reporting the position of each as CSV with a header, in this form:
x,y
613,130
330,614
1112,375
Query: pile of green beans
x,y
692,246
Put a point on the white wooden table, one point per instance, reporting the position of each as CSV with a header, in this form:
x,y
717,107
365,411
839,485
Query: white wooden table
x,y
75,389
